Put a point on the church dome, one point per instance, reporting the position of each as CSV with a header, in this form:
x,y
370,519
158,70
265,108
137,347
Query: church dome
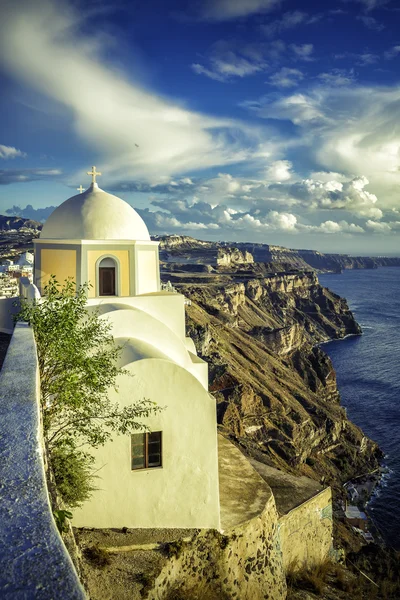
x,y
95,215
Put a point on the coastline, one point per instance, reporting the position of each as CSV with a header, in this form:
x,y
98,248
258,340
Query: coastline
x,y
348,335
360,492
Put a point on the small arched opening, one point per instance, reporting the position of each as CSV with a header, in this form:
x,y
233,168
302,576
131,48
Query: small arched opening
x,y
107,277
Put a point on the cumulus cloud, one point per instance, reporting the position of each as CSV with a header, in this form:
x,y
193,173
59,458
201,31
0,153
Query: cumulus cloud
x,y
250,222
286,77
110,113
338,227
279,171
272,221
351,130
238,204
227,10
7,152
383,227
335,195
226,205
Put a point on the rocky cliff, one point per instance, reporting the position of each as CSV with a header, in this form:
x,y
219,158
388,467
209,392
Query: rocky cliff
x,y
288,258
275,389
16,223
184,249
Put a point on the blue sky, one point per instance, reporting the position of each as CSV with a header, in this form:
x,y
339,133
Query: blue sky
x,y
265,120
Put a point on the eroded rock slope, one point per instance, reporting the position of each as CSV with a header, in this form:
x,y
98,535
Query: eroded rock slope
x,y
275,388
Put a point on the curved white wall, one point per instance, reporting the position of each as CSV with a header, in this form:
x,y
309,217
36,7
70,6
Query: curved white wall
x,y
184,492
140,325
133,350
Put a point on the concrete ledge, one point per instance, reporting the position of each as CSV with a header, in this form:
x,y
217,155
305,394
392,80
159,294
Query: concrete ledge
x,y
34,562
243,494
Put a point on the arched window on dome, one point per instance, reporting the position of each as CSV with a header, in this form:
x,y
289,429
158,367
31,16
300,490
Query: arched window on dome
x,y
107,277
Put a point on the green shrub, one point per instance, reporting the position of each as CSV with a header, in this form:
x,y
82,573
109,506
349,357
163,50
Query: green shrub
x,y
60,517
73,475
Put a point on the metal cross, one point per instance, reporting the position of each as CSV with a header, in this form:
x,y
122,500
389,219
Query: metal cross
x,y
80,189
94,174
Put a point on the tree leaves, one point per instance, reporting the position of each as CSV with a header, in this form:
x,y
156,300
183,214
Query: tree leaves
x,y
78,366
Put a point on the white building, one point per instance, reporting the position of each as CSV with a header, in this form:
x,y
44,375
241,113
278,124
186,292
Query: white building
x,y
26,260
168,477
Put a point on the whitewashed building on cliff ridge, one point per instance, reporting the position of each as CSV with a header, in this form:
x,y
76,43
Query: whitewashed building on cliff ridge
x,y
168,477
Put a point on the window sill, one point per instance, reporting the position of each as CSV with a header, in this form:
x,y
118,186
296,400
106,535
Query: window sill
x,y
146,469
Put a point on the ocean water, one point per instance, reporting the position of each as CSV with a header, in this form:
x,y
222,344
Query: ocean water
x,y
368,375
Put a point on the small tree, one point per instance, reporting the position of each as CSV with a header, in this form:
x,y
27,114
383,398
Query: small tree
x,y
77,360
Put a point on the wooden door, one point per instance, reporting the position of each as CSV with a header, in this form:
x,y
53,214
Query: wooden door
x,y
107,281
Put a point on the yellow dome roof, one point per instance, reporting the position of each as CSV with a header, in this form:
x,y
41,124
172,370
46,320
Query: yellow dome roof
x,y
95,215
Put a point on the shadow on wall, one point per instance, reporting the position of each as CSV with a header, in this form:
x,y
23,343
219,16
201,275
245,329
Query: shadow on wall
x,y
7,310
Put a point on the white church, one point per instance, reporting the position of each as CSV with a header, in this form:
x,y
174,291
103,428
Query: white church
x,y
168,476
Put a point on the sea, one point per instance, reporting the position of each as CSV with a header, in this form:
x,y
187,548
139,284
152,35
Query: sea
x,y
368,376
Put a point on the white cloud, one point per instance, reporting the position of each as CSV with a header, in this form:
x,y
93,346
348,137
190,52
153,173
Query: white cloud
x,y
228,62
352,130
286,77
382,227
303,51
110,113
226,10
366,58
338,227
371,23
336,194
392,53
279,171
289,20
378,227
338,77
8,176
299,108
361,59
281,221
328,176
7,152
230,59
273,221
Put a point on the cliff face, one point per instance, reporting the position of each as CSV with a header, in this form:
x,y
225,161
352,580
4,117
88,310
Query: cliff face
x,y
275,390
184,249
16,223
288,258
233,256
